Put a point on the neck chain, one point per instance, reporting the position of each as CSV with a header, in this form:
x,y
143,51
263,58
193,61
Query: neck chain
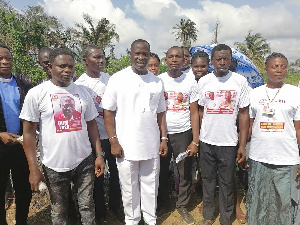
x,y
275,94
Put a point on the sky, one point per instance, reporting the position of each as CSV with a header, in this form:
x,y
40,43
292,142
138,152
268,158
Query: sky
x,y
277,20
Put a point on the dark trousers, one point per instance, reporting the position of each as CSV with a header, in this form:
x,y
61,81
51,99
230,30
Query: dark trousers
x,y
218,160
177,143
58,183
114,185
12,158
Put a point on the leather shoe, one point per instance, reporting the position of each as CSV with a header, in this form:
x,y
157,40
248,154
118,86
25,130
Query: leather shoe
x,y
187,218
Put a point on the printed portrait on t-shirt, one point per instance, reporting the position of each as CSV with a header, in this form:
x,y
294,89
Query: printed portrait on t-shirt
x,y
97,101
220,102
177,101
67,112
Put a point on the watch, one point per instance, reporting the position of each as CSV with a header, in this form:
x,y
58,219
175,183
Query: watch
x,y
100,154
195,143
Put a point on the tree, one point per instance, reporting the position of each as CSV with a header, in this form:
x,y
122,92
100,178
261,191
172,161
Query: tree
x,y
256,48
101,34
115,65
185,32
216,33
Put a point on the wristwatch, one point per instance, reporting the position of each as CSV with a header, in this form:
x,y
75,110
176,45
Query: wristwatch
x,y
195,143
100,154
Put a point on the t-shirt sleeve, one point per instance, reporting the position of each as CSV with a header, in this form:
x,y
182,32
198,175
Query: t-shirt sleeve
x,y
109,100
30,110
162,102
244,97
252,111
201,97
297,113
194,92
91,111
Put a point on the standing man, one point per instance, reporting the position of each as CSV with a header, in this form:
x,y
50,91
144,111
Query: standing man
x,y
43,57
186,60
13,89
182,119
134,115
218,134
96,81
66,154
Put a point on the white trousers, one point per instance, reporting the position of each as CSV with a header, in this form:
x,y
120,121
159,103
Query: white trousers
x,y
139,185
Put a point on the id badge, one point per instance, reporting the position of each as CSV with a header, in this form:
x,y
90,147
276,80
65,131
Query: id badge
x,y
269,109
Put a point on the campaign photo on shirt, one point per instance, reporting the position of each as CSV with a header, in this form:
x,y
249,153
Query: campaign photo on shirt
x,y
67,112
177,101
220,102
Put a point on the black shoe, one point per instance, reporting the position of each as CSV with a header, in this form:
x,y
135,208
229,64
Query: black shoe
x,y
162,211
119,214
187,218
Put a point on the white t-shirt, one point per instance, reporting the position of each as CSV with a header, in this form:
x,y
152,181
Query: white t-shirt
x,y
179,93
187,70
96,87
273,139
222,97
136,99
62,113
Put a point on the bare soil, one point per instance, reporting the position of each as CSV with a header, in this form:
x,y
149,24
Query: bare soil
x,y
40,212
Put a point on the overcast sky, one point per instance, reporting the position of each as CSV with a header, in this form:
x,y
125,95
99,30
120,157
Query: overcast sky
x,y
277,21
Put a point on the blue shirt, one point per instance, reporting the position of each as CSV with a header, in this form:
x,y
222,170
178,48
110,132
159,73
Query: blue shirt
x,y
10,98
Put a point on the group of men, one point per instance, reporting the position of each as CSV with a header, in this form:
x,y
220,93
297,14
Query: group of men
x,y
142,120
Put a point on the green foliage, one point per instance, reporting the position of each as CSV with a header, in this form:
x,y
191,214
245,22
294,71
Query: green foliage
x,y
101,34
256,48
80,69
185,32
115,65
25,65
162,68
292,78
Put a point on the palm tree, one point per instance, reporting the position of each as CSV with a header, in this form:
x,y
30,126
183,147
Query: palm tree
x,y
100,34
185,32
256,48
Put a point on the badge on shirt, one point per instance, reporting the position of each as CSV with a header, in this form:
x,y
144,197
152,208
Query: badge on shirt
x,y
269,109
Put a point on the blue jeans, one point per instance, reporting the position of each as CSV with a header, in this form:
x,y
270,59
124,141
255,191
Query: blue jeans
x,y
59,186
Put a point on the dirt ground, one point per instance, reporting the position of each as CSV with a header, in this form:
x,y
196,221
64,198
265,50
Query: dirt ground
x,y
40,212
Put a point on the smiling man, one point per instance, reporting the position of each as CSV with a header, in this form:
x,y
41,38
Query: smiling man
x,y
218,134
66,152
134,115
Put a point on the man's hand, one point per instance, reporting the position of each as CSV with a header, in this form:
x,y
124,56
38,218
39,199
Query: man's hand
x,y
298,173
244,165
241,154
193,148
9,138
163,148
99,166
35,177
116,148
